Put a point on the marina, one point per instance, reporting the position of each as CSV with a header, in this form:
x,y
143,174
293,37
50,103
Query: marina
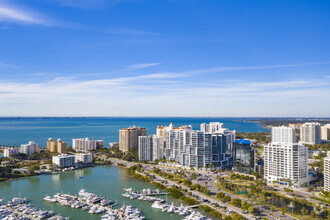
x,y
19,208
96,204
108,181
161,204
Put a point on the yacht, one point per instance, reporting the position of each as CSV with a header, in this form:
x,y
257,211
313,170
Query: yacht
x,y
105,202
180,209
157,205
83,193
184,212
171,209
16,201
85,207
49,199
165,208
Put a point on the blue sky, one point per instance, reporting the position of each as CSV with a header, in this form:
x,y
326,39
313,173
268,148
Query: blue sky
x,y
164,58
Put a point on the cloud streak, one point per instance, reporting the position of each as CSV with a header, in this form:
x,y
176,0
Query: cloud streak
x,y
140,66
11,14
167,94
6,64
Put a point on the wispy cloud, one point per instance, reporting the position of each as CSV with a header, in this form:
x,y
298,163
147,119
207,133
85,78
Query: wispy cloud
x,y
242,68
140,66
7,64
89,4
143,93
12,14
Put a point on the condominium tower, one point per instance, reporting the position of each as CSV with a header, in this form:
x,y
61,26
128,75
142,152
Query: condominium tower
x,y
129,137
151,148
212,127
61,147
327,172
199,149
283,135
285,163
51,145
84,145
29,148
310,133
325,132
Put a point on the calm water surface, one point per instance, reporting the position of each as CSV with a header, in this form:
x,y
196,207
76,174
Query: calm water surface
x,y
108,181
17,131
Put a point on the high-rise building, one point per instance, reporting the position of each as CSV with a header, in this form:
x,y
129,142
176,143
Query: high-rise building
x,y
64,160
151,148
29,148
327,172
283,135
199,149
286,163
325,132
7,152
212,127
51,145
61,147
161,130
244,155
84,145
310,133
129,137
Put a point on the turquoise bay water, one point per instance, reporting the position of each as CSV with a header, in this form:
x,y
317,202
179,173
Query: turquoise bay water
x,y
17,131
108,181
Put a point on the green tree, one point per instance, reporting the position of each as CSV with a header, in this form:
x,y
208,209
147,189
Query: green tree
x,y
251,209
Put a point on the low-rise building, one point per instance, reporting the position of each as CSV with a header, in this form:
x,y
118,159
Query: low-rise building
x,y
64,160
99,144
84,158
7,152
113,144
29,148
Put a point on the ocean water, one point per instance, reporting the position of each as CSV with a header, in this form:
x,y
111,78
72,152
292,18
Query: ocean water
x,y
17,131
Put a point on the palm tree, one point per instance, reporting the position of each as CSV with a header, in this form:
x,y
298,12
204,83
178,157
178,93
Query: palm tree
x,y
302,212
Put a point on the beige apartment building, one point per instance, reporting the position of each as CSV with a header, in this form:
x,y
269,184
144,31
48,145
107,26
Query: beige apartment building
x,y
325,132
61,147
129,137
51,145
57,147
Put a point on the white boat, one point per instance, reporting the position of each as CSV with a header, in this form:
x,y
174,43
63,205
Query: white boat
x,y
105,202
85,207
165,208
171,209
83,193
16,201
184,212
157,205
49,199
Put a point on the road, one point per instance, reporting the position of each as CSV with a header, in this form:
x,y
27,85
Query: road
x,y
210,178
